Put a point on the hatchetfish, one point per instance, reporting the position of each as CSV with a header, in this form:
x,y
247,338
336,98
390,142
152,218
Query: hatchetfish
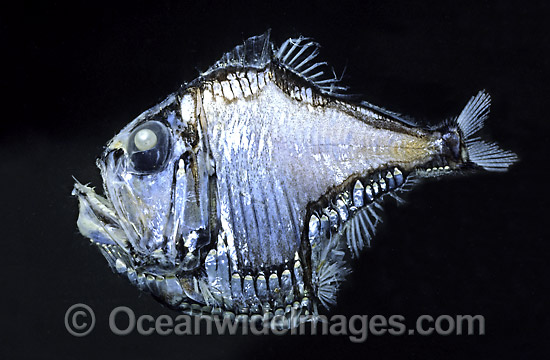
x,y
250,189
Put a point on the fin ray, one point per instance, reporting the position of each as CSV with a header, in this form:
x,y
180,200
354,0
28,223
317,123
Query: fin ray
x,y
487,155
474,114
255,52
357,239
295,54
361,227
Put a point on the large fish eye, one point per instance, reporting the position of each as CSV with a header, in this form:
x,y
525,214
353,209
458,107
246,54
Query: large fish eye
x,y
149,146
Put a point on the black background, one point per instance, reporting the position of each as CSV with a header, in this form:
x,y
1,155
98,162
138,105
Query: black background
x,y
76,74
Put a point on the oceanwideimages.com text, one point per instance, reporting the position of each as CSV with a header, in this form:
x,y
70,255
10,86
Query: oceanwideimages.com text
x,y
80,321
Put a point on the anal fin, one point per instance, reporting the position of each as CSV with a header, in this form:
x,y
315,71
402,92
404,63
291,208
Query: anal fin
x,y
360,229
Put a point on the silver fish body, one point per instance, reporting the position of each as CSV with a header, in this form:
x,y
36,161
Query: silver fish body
x,y
251,189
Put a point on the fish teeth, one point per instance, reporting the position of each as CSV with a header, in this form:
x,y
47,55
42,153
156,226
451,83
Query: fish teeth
x,y
383,185
325,224
342,210
358,194
314,228
236,287
390,181
398,176
132,275
375,188
370,193
286,286
347,203
120,266
261,286
210,264
333,218
173,290
250,294
274,288
141,281
299,277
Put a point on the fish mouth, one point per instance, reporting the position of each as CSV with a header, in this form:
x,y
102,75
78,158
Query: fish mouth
x,y
97,219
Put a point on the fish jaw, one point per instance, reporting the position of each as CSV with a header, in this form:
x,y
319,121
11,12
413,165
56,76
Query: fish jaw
x,y
97,219
99,222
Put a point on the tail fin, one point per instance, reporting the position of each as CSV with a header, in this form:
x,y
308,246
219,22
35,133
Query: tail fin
x,y
485,154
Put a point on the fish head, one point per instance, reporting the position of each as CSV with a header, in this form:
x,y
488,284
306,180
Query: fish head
x,y
154,214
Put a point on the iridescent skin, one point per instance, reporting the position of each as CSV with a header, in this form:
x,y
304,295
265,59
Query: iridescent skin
x,y
275,154
243,191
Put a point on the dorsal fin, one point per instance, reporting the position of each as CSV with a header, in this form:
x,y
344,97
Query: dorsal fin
x,y
255,52
299,55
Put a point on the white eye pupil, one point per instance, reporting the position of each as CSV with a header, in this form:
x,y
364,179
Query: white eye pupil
x,y
145,139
